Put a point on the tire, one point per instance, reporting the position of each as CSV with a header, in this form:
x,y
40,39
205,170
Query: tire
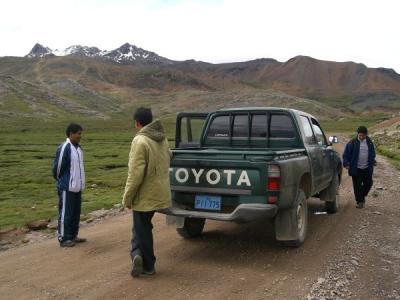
x,y
331,196
291,224
192,227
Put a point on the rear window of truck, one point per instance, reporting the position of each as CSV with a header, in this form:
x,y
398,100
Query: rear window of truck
x,y
250,128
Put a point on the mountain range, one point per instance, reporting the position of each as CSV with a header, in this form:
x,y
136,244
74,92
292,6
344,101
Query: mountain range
x,y
127,53
93,82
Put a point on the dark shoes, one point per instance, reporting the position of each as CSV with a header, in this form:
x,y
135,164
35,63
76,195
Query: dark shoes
x,y
71,243
80,240
67,243
360,205
149,272
137,266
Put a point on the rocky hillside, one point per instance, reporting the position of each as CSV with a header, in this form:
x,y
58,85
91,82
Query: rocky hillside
x,y
341,84
300,75
19,98
91,81
386,136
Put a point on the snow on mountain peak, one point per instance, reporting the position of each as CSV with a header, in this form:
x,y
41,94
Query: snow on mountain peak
x,y
40,51
124,54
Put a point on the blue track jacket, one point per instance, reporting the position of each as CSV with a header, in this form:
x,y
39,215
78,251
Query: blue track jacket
x,y
68,167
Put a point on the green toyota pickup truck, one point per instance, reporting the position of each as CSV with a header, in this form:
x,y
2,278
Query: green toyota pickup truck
x,y
246,164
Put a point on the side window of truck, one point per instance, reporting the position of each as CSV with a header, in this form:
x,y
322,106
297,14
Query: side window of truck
x,y
319,134
281,126
191,128
309,136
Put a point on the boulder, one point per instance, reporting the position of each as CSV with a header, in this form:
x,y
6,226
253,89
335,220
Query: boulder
x,y
37,225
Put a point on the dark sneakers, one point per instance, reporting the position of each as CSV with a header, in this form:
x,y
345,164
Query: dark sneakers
x,y
67,243
360,205
137,266
80,240
71,243
149,272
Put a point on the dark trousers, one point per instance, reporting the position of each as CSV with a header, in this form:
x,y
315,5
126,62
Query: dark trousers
x,y
69,212
142,238
362,183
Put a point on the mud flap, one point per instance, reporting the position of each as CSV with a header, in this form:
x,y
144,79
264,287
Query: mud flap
x,y
285,227
289,227
331,196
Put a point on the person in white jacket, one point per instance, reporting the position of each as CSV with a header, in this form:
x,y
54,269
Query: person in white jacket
x,y
69,172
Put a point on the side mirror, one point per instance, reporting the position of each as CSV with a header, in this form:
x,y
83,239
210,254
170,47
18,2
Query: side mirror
x,y
333,139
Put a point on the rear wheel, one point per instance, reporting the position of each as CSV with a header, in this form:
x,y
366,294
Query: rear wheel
x,y
192,227
331,196
291,224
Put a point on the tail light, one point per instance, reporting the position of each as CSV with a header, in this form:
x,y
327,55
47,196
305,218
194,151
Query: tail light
x,y
274,178
274,182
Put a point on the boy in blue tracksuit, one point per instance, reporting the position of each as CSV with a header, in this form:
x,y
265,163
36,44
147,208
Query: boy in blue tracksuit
x,y
69,172
359,160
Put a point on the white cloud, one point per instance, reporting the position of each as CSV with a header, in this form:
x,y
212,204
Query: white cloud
x,y
214,31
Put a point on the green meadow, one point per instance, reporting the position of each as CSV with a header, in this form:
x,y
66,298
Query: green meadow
x,y
27,149
389,147
349,125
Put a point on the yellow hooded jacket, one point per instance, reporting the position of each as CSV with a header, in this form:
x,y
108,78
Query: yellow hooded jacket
x,y
147,186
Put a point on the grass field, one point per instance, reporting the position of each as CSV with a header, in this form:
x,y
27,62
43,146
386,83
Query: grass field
x,y
389,146
392,153
27,189
350,125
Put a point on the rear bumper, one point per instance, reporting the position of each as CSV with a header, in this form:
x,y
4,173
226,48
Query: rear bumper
x,y
242,213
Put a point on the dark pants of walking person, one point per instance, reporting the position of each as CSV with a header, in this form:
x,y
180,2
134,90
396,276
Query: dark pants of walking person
x,y
142,238
69,212
362,183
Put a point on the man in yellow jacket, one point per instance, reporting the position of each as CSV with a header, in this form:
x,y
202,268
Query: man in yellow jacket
x,y
147,187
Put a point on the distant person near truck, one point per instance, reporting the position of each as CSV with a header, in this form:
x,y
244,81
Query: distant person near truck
x,y
69,172
359,159
147,187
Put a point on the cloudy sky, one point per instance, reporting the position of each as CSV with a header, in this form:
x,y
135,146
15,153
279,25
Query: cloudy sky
x,y
211,30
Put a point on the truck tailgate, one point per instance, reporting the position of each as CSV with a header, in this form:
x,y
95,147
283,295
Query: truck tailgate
x,y
229,178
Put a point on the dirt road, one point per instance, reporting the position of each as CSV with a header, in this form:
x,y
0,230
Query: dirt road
x,y
353,254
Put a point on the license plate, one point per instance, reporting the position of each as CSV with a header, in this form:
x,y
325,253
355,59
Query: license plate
x,y
207,202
